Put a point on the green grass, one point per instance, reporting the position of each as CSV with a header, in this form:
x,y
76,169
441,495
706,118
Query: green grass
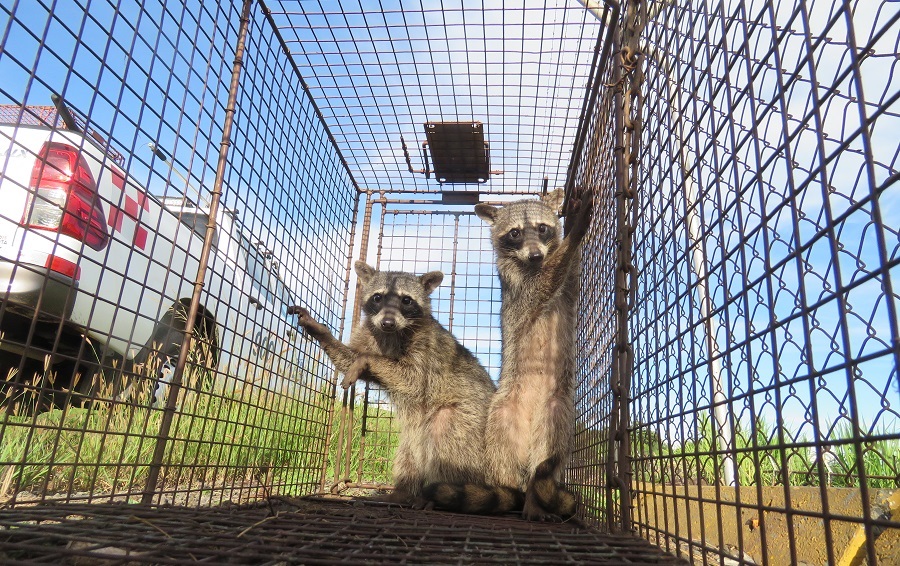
x,y
371,454
215,438
768,456
291,438
881,461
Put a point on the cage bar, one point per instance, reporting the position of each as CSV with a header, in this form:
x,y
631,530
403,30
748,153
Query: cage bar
x,y
737,340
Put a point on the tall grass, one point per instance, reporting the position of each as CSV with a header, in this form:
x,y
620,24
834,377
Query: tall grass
x,y
880,460
373,437
221,438
216,437
769,456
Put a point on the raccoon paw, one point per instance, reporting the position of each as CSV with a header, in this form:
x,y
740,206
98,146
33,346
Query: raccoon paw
x,y
354,372
350,378
312,326
578,217
534,512
422,504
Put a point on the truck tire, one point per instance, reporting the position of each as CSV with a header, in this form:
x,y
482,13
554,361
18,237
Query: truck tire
x,y
155,364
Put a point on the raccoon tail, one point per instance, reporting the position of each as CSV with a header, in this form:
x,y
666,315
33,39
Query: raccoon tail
x,y
474,498
552,496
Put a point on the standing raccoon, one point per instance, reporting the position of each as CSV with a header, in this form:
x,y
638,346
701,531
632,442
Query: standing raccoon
x,y
531,418
439,390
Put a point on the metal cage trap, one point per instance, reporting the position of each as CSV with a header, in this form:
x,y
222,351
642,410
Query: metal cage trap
x,y
210,167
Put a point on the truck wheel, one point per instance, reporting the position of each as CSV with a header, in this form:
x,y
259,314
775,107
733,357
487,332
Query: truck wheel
x,y
156,361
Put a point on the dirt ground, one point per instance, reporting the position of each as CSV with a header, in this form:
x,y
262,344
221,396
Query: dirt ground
x,y
714,516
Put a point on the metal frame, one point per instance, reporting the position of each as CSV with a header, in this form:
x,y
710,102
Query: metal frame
x,y
738,315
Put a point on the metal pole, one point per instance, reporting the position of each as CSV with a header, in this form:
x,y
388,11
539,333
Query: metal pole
x,y
175,385
346,440
710,325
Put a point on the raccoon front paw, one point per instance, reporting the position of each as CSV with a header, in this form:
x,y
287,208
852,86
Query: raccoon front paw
x,y
313,327
354,372
578,219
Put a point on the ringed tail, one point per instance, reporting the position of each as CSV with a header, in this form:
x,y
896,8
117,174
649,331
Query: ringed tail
x,y
474,499
553,497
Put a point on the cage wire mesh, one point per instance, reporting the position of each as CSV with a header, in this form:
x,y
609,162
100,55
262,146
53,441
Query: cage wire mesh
x,y
738,334
380,74
765,388
151,83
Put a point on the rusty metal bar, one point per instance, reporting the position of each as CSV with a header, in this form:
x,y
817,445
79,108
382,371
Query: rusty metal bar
x,y
175,386
349,404
453,269
345,431
343,330
368,388
628,102
620,298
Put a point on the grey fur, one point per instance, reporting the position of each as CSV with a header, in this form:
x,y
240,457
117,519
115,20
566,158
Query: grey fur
x,y
439,390
531,418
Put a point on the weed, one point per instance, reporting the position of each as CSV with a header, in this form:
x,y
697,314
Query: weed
x,y
769,456
107,446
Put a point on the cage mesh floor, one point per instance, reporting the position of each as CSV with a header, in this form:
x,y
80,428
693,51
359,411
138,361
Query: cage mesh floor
x,y
303,531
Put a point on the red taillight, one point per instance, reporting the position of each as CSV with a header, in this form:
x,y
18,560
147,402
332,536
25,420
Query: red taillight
x,y
65,196
63,266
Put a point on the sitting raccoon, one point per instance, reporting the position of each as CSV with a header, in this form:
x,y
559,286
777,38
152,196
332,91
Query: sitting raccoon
x,y
439,390
532,416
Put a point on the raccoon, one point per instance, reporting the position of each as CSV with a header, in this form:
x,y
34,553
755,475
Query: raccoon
x,y
531,418
439,390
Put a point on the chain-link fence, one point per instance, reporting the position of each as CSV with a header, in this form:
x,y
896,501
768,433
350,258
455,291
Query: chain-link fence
x,y
757,241
179,177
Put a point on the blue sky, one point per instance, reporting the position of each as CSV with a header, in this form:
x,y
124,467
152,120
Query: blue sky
x,y
154,71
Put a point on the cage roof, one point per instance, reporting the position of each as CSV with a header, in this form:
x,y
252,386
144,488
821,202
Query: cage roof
x,y
379,72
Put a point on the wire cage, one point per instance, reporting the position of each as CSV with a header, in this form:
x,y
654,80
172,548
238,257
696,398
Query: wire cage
x,y
737,339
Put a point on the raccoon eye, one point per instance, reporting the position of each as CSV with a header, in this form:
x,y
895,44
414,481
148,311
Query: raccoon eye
x,y
542,228
376,297
515,233
406,300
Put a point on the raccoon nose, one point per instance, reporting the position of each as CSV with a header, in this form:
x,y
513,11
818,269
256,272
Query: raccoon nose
x,y
535,256
388,324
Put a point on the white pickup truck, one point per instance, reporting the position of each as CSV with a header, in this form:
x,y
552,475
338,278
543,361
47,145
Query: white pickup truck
x,y
92,268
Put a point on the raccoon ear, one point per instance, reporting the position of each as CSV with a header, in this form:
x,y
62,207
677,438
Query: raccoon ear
x,y
554,199
486,212
364,271
431,280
